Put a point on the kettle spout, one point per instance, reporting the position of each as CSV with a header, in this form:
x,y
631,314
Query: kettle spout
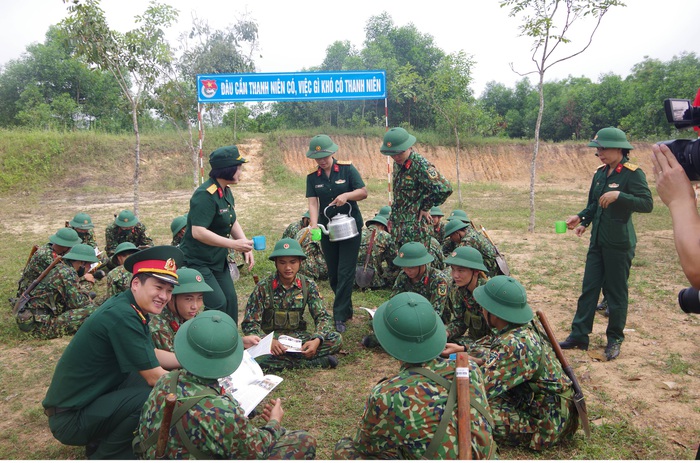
x,y
323,229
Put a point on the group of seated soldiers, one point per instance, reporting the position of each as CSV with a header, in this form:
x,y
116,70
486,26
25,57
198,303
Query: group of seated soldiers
x,y
519,393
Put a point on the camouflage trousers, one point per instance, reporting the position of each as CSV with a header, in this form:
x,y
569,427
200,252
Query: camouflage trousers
x,y
314,268
536,427
405,232
294,445
330,346
345,450
48,326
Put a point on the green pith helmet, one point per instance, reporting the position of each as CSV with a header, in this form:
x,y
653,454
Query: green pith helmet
x,y
409,329
396,141
610,137
436,211
208,345
321,146
191,281
385,211
82,253
226,156
454,225
66,237
126,246
505,298
413,254
126,219
158,261
380,219
287,247
306,215
459,214
178,224
466,256
81,221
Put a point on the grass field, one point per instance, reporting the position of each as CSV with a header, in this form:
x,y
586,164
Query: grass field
x,y
645,405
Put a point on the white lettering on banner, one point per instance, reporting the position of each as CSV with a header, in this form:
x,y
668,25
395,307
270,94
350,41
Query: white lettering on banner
x,y
240,88
355,86
291,89
259,88
304,86
374,85
327,86
226,88
339,85
277,87
317,88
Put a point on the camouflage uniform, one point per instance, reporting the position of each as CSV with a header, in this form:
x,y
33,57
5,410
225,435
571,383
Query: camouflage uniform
x,y
216,426
41,259
464,321
417,186
163,328
432,285
114,235
435,250
438,231
529,393
479,242
402,414
314,266
118,280
272,307
292,229
86,237
383,251
57,306
176,240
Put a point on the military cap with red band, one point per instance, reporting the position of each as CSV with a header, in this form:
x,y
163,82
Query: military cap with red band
x,y
158,261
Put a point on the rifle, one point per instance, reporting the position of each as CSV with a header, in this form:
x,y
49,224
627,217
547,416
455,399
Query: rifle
x,y
24,298
579,400
464,408
500,260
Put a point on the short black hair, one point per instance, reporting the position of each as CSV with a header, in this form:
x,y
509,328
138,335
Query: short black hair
x,y
226,173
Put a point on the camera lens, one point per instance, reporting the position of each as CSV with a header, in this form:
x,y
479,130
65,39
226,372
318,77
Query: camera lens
x,y
687,152
689,300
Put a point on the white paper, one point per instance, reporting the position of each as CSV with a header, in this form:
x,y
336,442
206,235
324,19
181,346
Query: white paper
x,y
248,385
371,312
263,347
292,344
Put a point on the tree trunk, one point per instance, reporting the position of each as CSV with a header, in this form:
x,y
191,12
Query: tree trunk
x,y
137,159
533,163
459,187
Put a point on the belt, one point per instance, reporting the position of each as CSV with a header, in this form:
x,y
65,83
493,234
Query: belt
x,y
51,411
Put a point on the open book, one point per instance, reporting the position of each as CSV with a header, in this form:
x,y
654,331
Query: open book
x,y
248,385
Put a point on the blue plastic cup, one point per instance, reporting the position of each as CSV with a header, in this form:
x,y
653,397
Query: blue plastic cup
x,y
259,242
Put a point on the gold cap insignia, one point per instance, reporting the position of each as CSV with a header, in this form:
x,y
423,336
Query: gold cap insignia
x,y
170,265
318,147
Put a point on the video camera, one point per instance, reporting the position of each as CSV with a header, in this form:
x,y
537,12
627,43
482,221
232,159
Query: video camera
x,y
682,114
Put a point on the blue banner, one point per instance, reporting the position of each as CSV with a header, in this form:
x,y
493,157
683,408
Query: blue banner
x,y
291,86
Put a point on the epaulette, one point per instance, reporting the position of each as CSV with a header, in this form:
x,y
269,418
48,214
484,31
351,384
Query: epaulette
x,y
212,189
313,171
600,167
344,163
631,166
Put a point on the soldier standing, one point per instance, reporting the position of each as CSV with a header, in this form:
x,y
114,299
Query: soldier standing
x,y
461,233
410,416
417,187
126,227
529,393
211,423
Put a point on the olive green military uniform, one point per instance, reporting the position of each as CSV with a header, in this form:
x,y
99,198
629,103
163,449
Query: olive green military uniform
x,y
340,256
381,258
213,208
612,247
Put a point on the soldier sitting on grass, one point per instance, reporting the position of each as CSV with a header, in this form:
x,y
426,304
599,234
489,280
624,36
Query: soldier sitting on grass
x,y
119,279
294,227
57,305
382,255
126,227
277,304
461,232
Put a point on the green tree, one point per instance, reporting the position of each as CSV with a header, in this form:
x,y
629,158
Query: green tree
x,y
135,59
547,23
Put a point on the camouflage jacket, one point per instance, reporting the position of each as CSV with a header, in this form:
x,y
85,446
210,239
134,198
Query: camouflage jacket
x,y
163,328
435,250
292,229
115,235
382,257
87,237
479,242
216,425
464,313
417,185
176,240
58,292
41,259
438,231
314,266
118,280
402,414
271,304
432,285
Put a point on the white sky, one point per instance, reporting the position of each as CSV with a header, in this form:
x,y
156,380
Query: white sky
x,y
295,34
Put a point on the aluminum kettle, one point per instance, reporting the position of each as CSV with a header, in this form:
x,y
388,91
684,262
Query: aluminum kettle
x,y
341,226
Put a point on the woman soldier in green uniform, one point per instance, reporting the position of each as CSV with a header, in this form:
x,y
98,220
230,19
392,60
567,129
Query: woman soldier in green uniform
x,y
335,183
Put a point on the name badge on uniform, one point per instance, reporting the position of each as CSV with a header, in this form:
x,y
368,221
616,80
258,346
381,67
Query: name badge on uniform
x,y
340,181
319,186
613,185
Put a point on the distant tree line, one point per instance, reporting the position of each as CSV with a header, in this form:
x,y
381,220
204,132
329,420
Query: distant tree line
x,y
52,87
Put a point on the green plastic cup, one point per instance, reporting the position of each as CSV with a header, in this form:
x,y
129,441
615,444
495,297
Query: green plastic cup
x,y
316,234
560,226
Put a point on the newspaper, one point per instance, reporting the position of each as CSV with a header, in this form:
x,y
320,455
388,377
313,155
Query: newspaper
x,y
292,344
248,385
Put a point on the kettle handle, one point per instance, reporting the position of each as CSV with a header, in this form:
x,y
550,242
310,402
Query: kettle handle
x,y
349,212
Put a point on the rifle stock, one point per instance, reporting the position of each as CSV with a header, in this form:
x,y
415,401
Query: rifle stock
x,y
464,418
24,298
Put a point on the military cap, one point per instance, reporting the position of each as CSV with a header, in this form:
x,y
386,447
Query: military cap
x,y
459,214
190,281
321,146
81,252
385,211
81,221
126,219
466,256
66,237
377,219
436,211
287,247
178,224
454,225
208,345
126,246
226,156
396,141
306,215
409,329
159,261
413,254
610,137
505,298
